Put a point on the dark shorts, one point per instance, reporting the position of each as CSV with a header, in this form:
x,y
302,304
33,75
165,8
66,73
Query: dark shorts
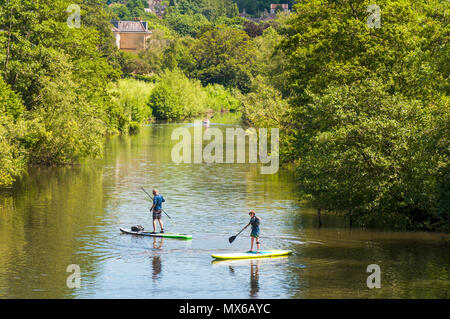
x,y
156,214
255,233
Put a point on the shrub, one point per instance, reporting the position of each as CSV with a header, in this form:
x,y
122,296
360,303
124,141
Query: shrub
x,y
177,97
131,107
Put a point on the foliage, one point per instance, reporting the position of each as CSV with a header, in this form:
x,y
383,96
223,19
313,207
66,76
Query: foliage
x,y
177,97
211,9
333,44
369,108
12,129
264,106
64,126
130,10
253,29
256,7
270,62
187,24
221,99
368,152
178,56
61,74
131,97
224,56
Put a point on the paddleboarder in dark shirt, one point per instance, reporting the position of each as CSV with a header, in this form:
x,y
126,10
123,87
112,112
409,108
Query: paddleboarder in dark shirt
x,y
157,208
254,222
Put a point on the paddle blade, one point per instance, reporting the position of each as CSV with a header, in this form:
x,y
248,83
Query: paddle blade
x,y
231,239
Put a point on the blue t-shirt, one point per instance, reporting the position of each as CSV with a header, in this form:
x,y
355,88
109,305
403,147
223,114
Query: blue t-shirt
x,y
254,222
157,201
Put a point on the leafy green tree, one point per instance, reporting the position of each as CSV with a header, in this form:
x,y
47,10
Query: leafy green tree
x,y
333,44
66,126
270,62
178,55
224,55
136,8
61,73
13,155
264,106
130,103
120,11
222,99
187,24
256,7
211,9
372,154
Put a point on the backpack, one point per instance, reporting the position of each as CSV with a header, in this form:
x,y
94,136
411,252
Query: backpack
x,y
137,228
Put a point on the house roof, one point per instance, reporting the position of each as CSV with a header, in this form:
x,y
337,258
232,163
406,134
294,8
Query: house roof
x,y
130,26
283,5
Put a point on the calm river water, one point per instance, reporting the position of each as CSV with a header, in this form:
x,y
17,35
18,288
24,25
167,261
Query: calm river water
x,y
56,217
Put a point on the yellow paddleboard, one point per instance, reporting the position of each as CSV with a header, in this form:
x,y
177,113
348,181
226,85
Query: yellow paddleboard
x,y
261,254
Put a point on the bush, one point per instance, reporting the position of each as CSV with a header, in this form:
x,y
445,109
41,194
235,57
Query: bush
x,y
177,97
131,107
221,99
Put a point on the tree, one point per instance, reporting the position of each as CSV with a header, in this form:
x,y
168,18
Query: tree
x,y
369,108
187,24
61,73
211,9
256,7
224,56
13,155
120,11
372,154
332,44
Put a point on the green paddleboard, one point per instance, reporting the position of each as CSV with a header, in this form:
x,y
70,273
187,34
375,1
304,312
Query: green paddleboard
x,y
164,235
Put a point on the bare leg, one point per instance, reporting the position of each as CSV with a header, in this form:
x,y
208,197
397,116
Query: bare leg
x,y
251,243
258,246
154,225
161,224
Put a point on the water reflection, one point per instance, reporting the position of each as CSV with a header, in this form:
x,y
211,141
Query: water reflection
x,y
156,259
254,278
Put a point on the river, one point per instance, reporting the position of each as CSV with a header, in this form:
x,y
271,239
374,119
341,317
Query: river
x,y
56,217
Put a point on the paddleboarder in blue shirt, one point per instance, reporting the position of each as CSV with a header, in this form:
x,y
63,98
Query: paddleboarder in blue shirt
x,y
254,222
157,208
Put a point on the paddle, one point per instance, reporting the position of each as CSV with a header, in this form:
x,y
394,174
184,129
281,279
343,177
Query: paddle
x,y
152,199
232,238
